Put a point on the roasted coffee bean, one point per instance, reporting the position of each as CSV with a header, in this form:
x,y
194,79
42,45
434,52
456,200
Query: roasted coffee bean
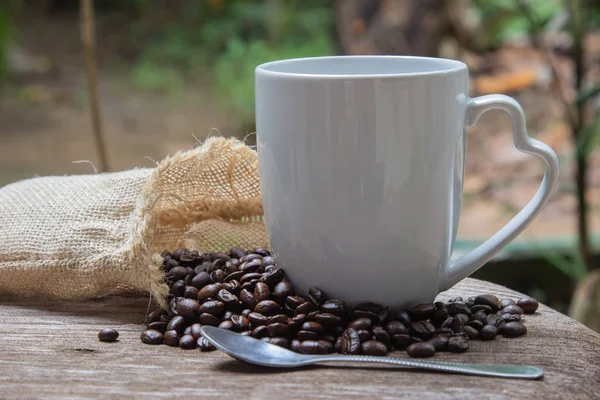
x,y
213,307
311,316
279,318
229,268
448,322
400,341
249,277
277,341
187,330
170,264
335,307
205,345
235,276
488,300
404,318
260,332
268,260
218,276
329,338
513,329
257,319
230,300
439,316
363,335
421,330
307,335
187,342
187,308
150,336
295,322
463,318
251,266
421,350
155,315
312,326
337,346
373,348
249,285
190,292
457,325
480,316
247,299
315,295
176,324
246,333
267,307
261,292
488,332
160,326
246,312
209,319
171,338
262,252
510,317
210,290
188,279
475,324
227,325
328,320
457,344
481,307
494,319
305,308
350,342
458,308
273,277
270,268
178,253
422,311
382,336
195,330
177,289
360,324
471,332
356,314
283,289
444,332
278,329
295,345
237,252
228,314
312,347
512,309
507,302
240,323
177,273
440,343
108,335
294,301
395,328
327,344
187,258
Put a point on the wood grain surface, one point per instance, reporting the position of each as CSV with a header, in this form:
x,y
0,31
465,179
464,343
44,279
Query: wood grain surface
x,y
50,350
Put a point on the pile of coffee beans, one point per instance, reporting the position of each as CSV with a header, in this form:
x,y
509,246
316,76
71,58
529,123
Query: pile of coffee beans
x,y
246,292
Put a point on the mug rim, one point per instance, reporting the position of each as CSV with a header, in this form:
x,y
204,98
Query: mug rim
x,y
450,66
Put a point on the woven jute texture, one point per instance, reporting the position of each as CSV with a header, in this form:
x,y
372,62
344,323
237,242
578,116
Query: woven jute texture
x,y
86,236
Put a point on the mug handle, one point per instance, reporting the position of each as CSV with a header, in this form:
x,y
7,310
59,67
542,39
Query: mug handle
x,y
471,262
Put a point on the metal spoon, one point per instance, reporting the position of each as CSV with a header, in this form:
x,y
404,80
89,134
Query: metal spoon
x,y
254,351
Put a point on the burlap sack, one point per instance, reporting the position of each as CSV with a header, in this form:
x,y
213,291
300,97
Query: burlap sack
x,y
86,236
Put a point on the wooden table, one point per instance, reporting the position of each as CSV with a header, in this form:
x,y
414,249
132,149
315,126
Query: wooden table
x,y
51,350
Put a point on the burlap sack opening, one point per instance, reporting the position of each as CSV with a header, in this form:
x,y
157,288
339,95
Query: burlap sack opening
x,y
85,236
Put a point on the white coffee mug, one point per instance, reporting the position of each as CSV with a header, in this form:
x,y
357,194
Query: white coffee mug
x,y
361,162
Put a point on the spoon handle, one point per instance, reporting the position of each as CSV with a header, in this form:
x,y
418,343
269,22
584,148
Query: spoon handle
x,y
497,370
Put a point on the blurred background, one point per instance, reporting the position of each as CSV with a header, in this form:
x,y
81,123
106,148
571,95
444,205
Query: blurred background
x,y
161,74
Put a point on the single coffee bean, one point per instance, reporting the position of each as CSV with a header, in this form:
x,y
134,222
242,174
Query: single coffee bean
x,y
228,314
488,300
329,338
360,324
439,316
305,308
170,264
267,307
495,320
295,345
269,260
209,319
252,266
327,344
448,322
457,344
382,336
260,332
335,307
213,307
262,252
296,322
395,328
187,330
458,308
420,330
350,342
250,257
250,277
338,345
471,332
444,332
187,342
246,312
312,347
312,326
440,343
240,323
160,326
205,345
510,317
507,302
227,325
237,252
273,277
195,330
512,309
488,332
307,335
463,318
400,341
270,268
278,329
177,273
283,289
475,324
422,311
155,315
176,324
327,319
279,318
235,276
357,314
294,301
315,295
404,318
373,348
481,307
421,350
257,319
230,268
480,316
513,329
363,335
261,292
190,292
207,291
178,253
108,335
277,341
150,336
178,288
229,299
248,299
171,338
